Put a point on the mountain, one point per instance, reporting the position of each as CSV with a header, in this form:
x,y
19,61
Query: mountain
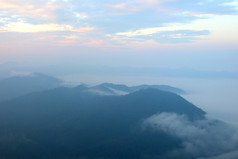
x,y
23,84
160,87
119,89
75,123
20,85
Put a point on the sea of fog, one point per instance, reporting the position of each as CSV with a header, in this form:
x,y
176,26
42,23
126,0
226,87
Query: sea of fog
x,y
218,97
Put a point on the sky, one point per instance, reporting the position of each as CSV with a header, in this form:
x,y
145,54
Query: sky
x,y
199,34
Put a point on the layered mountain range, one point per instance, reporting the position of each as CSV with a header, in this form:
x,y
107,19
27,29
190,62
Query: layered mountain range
x,y
20,85
110,121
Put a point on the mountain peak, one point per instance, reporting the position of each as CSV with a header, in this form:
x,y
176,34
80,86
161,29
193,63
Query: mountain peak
x,y
23,84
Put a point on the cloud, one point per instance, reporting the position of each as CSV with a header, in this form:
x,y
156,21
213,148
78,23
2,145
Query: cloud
x,y
179,36
171,34
206,6
136,5
205,138
232,3
23,27
42,9
116,21
7,5
154,30
175,7
148,15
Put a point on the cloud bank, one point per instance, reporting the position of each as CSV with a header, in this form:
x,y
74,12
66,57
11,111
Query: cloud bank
x,y
201,138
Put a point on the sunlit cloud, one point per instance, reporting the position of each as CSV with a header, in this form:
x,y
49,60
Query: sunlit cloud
x,y
23,27
29,8
150,31
171,33
83,29
7,5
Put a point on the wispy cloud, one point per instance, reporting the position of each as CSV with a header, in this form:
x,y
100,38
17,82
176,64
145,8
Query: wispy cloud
x,y
23,27
172,33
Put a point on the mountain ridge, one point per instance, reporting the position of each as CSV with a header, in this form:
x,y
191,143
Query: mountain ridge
x,y
74,123
16,86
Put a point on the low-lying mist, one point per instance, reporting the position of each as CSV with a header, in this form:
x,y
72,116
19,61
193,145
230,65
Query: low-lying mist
x,y
206,136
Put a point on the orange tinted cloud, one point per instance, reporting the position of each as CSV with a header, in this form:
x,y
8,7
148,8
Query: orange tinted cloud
x,y
7,5
67,42
84,29
46,10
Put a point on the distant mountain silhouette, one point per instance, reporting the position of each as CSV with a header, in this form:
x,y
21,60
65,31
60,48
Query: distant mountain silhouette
x,y
23,84
160,87
76,123
119,89
20,85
